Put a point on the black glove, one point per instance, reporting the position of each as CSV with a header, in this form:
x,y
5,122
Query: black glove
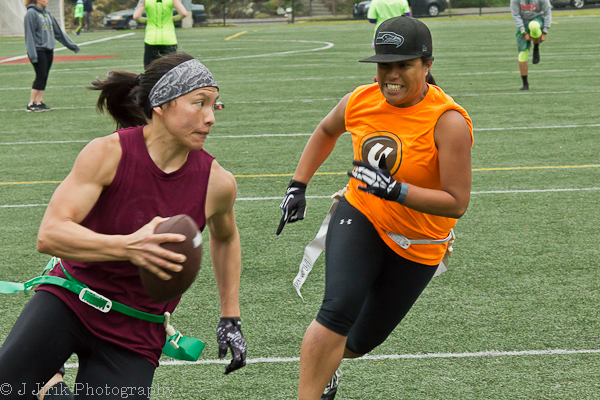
x,y
293,205
379,181
229,335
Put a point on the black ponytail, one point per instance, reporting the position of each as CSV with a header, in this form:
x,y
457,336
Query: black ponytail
x,y
125,95
429,78
116,98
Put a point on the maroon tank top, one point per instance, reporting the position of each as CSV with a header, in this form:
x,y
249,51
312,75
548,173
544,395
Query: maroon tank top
x,y
139,192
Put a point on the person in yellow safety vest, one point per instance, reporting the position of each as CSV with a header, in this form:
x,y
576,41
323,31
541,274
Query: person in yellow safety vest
x,y
79,17
160,31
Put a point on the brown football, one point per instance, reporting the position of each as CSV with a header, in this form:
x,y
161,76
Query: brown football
x,y
164,291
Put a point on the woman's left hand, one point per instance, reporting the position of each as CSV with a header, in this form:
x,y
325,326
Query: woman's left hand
x,y
379,181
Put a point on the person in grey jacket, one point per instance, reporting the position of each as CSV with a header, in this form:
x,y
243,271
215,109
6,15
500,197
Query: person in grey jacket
x,y
41,33
533,19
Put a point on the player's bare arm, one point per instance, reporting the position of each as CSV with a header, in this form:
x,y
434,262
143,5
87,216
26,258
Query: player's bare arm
x,y
94,169
139,10
453,141
182,12
225,249
322,142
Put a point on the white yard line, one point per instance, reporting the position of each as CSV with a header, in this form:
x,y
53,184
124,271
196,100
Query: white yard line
x,y
278,198
327,45
491,353
508,128
64,48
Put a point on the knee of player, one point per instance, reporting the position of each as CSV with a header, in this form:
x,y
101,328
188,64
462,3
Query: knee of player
x,y
535,29
358,347
337,318
348,353
523,56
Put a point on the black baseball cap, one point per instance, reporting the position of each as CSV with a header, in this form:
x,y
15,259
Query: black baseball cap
x,y
401,38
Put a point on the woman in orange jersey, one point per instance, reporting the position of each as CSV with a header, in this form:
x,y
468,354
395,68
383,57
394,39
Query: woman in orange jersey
x,y
388,235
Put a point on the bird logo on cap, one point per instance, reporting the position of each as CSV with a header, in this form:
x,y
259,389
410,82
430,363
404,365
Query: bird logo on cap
x,y
389,38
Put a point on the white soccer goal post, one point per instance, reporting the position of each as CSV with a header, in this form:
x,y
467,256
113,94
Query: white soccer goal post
x,y
12,13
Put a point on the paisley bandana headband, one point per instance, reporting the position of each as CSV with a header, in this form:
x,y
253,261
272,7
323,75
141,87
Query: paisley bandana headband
x,y
181,80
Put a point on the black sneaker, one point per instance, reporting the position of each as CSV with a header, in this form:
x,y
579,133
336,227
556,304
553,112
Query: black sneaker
x,y
536,54
43,107
32,108
525,87
331,389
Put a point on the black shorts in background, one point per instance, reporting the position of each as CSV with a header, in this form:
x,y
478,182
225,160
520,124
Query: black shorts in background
x,y
153,52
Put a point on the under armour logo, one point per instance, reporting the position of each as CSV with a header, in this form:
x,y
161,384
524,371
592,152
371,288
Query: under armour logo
x,y
345,221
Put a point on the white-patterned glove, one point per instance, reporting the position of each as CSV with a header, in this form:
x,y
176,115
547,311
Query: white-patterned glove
x,y
229,336
379,181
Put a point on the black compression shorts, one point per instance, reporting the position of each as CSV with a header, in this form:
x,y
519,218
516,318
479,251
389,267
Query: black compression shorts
x,y
368,287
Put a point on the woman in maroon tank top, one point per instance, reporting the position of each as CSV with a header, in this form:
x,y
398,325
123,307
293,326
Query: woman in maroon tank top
x,y
101,222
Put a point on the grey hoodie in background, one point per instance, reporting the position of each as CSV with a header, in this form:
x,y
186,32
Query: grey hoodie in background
x,y
42,31
523,11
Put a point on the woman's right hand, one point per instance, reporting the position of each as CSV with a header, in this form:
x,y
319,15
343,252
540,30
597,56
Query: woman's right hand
x,y
144,250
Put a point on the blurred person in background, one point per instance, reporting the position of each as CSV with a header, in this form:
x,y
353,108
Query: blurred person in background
x,y
78,14
41,33
160,36
88,10
533,19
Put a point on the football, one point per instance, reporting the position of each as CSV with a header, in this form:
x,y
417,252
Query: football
x,y
164,291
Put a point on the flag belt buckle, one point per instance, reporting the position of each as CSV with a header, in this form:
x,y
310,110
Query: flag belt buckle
x,y
85,294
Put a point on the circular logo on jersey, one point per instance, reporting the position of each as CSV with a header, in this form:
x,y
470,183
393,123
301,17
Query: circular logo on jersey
x,y
377,145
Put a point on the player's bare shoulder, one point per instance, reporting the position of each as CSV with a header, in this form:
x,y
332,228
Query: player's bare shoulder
x,y
222,190
450,127
99,159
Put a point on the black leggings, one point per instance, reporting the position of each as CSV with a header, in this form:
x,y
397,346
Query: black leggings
x,y
45,335
368,287
42,68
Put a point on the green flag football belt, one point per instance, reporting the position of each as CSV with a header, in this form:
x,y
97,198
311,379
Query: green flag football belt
x,y
177,346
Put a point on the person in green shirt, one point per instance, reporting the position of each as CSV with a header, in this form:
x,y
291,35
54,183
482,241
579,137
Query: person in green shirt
x,y
382,10
160,31
79,17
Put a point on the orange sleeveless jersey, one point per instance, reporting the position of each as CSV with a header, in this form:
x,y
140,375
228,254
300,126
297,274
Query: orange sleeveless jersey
x,y
405,137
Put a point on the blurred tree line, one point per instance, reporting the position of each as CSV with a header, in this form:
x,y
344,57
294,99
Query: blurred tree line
x,y
214,8
255,8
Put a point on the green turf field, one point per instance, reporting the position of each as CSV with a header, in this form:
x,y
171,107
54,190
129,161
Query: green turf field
x,y
516,315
